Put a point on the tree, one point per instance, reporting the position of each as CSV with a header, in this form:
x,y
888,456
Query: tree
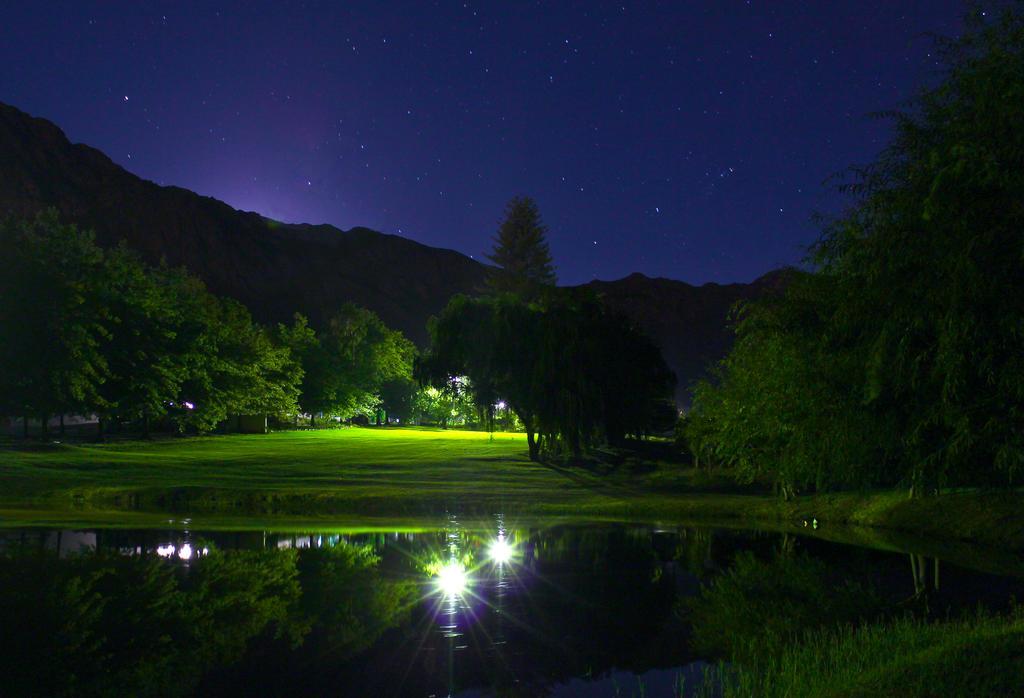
x,y
784,405
142,320
348,363
900,358
233,366
92,331
572,372
397,397
50,318
521,251
453,404
930,268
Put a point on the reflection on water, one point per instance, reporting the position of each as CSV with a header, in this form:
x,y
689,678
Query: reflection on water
x,y
488,608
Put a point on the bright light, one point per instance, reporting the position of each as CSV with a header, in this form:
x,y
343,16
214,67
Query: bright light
x,y
501,405
185,551
451,579
500,551
188,405
165,550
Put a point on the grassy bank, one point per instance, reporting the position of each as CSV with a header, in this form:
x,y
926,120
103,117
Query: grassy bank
x,y
977,656
362,475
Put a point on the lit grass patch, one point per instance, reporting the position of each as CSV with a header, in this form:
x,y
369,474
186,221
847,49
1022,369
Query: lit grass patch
x,y
416,473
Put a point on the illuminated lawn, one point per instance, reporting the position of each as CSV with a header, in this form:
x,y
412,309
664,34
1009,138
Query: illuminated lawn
x,y
411,476
353,463
358,470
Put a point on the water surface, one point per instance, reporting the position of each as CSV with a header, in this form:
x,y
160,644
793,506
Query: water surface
x,y
482,609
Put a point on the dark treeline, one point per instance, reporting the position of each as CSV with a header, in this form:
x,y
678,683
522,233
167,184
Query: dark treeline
x,y
90,331
898,357
574,373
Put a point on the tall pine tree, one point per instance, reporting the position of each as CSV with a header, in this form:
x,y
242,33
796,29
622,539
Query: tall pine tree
x,y
521,251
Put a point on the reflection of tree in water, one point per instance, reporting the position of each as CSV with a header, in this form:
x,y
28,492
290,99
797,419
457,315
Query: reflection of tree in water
x,y
346,598
102,624
361,613
756,605
345,606
923,581
110,624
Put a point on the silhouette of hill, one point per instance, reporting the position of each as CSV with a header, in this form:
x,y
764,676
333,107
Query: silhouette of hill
x,y
274,268
688,323
279,268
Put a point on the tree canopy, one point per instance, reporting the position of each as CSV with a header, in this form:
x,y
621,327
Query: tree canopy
x,y
574,373
350,362
899,358
92,331
51,321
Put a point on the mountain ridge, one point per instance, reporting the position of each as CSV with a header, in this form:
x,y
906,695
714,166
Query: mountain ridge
x,y
278,268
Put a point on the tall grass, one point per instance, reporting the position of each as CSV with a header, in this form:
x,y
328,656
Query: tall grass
x,y
980,655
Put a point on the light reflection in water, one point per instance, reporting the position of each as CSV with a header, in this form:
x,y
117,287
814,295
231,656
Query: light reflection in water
x,y
503,605
500,551
452,579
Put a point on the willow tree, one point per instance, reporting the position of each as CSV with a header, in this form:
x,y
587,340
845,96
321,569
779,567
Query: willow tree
x,y
915,344
575,374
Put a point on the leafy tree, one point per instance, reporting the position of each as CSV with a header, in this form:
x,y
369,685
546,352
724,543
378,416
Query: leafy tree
x,y
397,397
90,331
573,373
521,251
50,319
451,405
146,367
900,358
350,361
784,406
489,340
930,268
233,366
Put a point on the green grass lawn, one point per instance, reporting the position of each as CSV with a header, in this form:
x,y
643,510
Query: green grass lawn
x,y
347,464
359,469
372,478
413,475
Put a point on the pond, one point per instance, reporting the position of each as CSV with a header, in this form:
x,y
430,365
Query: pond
x,y
478,608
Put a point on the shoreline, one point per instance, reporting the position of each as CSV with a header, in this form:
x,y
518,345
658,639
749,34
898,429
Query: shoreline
x,y
370,479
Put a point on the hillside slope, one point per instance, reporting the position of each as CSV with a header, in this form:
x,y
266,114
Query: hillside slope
x,y
272,267
277,269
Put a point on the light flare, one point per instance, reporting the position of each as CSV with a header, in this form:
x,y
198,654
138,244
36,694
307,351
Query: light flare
x,y
452,579
500,551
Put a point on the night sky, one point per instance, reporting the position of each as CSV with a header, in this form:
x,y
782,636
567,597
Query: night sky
x,y
690,140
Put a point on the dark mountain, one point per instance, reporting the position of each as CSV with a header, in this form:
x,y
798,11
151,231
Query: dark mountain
x,y
278,268
274,268
688,323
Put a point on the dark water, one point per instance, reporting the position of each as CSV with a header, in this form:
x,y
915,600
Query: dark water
x,y
469,610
